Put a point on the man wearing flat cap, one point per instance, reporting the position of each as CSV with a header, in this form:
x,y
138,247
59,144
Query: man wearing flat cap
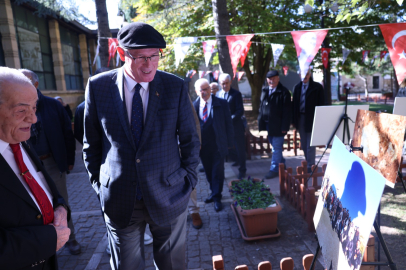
x,y
141,149
274,117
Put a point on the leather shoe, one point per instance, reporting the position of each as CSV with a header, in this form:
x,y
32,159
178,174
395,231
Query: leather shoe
x,y
201,169
241,175
209,200
271,174
218,206
196,221
235,164
74,247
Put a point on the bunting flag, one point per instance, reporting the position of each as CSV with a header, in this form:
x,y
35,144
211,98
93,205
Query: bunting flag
x,y
394,35
364,55
373,59
325,53
201,74
208,49
307,44
216,74
382,54
237,46
346,52
182,45
113,44
240,74
191,73
245,53
277,50
285,70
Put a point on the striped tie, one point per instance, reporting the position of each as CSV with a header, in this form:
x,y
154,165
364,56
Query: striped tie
x,y
303,98
205,113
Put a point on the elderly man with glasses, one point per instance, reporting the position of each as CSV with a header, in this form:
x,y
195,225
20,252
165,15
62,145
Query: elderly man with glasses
x,y
141,149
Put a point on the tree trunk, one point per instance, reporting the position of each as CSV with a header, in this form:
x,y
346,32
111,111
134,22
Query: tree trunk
x,y
103,32
222,27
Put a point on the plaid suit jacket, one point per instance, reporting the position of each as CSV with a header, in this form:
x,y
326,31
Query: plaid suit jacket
x,y
165,175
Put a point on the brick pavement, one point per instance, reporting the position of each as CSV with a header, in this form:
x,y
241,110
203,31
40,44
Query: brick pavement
x,y
219,234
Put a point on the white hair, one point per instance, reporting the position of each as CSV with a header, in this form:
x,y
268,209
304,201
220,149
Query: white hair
x,y
9,76
199,83
30,74
224,76
214,83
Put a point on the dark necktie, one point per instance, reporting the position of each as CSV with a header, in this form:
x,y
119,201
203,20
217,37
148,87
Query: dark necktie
x,y
205,113
137,122
39,194
303,98
137,115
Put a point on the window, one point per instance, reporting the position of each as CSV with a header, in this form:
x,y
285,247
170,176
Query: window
x,y
375,82
2,61
71,59
34,46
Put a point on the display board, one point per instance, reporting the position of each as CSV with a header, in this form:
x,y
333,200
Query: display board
x,y
399,108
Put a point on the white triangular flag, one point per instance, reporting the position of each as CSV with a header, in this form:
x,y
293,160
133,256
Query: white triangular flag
x,y
208,49
277,50
182,45
346,52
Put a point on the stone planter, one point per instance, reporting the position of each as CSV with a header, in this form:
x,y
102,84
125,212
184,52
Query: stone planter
x,y
257,223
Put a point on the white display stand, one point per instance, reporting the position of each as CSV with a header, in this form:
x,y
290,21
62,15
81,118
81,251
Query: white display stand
x,y
399,107
326,119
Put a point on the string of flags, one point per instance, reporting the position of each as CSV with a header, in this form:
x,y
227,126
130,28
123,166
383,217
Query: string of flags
x,y
307,44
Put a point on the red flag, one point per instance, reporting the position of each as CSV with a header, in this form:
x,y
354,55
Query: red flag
x,y
364,55
285,70
237,45
325,52
307,44
113,44
382,54
394,35
245,53
193,73
216,74
240,74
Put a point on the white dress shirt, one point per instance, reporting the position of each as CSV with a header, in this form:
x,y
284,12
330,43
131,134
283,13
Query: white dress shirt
x,y
271,91
201,107
223,94
8,155
129,90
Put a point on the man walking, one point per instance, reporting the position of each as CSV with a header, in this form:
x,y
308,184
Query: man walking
x,y
306,96
55,145
217,136
274,117
235,103
141,150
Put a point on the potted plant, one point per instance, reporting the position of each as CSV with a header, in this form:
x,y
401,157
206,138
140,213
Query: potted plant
x,y
256,207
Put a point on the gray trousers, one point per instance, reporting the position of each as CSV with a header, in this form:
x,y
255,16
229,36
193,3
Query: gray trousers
x,y
305,137
192,205
127,244
60,182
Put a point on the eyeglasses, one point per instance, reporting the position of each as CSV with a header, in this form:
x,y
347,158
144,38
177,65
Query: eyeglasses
x,y
152,58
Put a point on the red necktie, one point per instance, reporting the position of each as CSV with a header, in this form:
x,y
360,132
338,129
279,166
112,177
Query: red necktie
x,y
39,194
205,113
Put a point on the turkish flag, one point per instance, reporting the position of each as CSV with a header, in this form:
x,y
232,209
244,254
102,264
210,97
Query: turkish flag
x,y
394,35
238,46
382,54
113,44
240,74
245,53
307,45
364,55
325,52
216,74
285,70
208,49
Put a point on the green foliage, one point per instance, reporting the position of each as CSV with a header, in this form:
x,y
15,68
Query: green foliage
x,y
250,194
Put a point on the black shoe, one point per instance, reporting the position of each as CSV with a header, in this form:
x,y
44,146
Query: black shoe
x,y
218,206
235,164
241,175
271,174
209,200
74,247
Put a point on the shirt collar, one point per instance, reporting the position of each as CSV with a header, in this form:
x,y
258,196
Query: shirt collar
x,y
3,146
131,83
202,102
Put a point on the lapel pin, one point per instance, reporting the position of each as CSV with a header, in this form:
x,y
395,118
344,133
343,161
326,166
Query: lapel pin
x,y
156,94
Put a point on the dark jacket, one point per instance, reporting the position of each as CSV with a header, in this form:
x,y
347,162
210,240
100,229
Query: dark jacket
x,y
79,115
236,109
222,124
314,97
275,111
25,242
58,130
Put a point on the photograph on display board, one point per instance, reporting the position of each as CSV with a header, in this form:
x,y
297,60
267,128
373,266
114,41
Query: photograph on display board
x,y
346,208
381,135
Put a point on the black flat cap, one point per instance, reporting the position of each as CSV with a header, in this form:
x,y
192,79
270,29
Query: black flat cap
x,y
139,35
272,73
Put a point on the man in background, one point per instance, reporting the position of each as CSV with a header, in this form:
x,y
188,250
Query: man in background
x,y
214,88
306,96
274,117
235,103
54,143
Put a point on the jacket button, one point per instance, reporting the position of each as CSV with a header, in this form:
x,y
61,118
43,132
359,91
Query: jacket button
x,y
39,217
138,160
